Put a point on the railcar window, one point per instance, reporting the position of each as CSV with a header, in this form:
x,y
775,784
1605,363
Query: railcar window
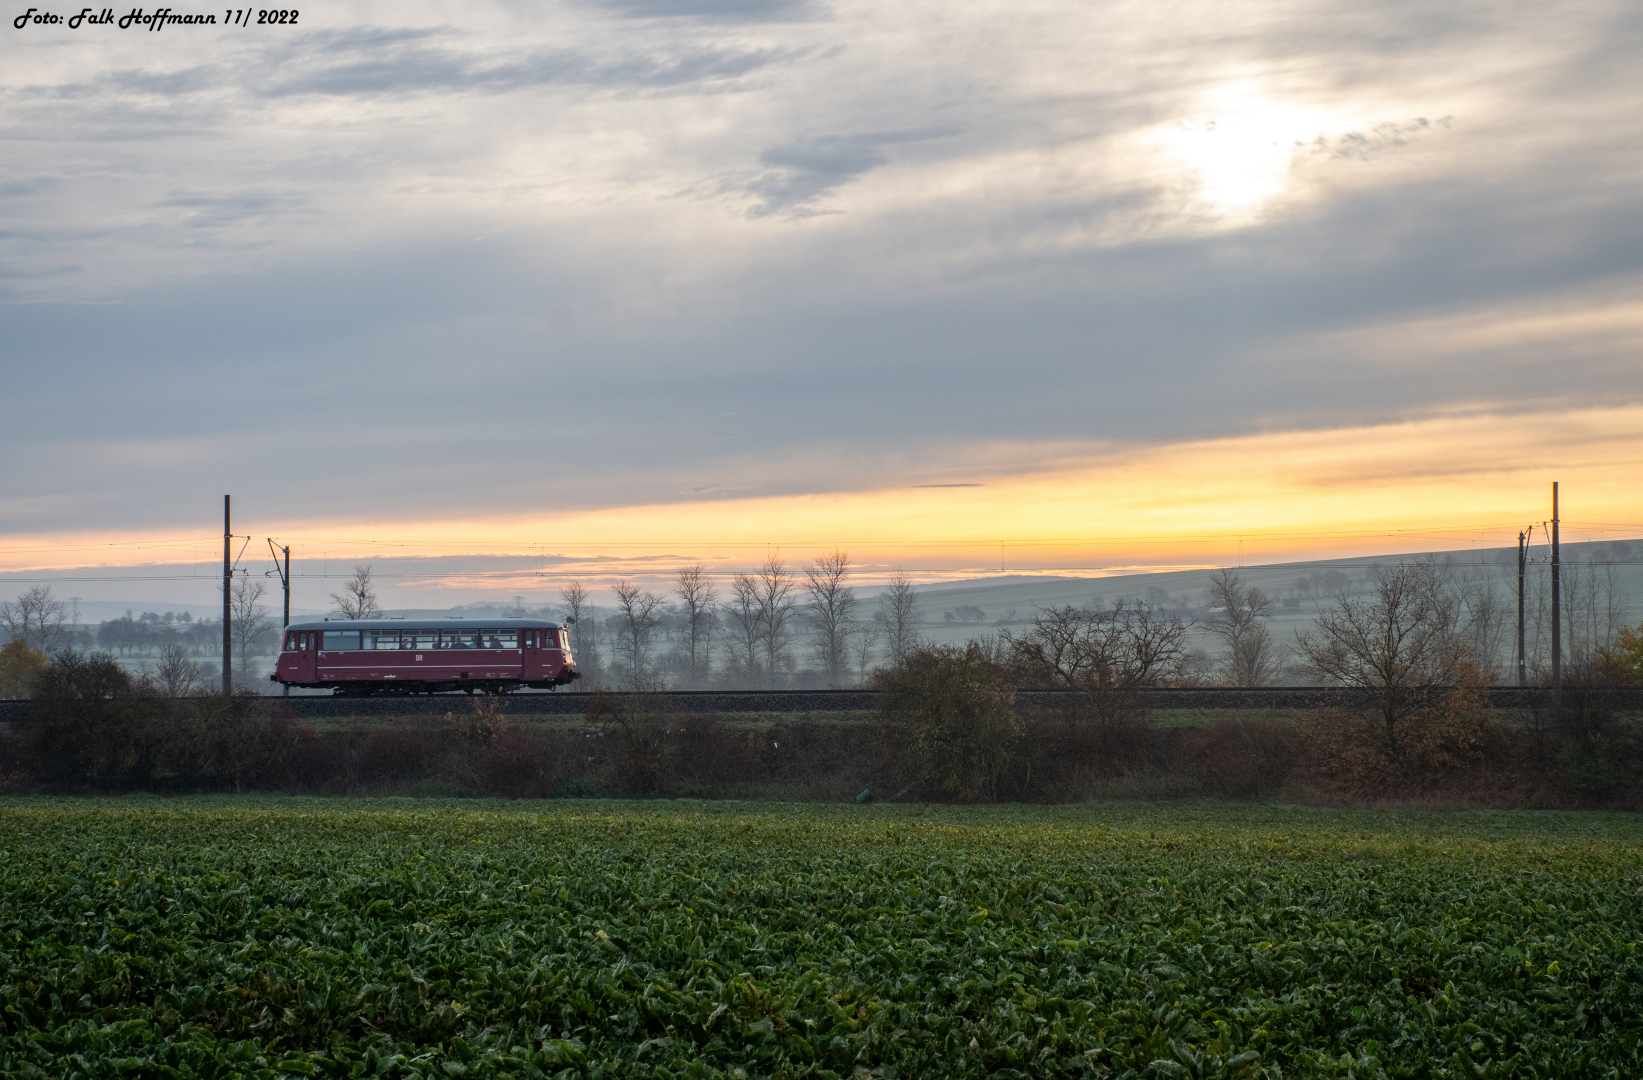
x,y
425,639
460,639
290,642
341,640
382,639
500,639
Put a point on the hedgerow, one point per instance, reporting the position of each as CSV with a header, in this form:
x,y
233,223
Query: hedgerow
x,y
223,937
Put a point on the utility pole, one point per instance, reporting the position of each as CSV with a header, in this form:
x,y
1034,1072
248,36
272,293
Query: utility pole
x,y
285,583
227,586
1557,600
1522,560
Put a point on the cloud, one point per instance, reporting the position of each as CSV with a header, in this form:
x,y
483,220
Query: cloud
x,y
373,64
577,236
716,10
1366,145
799,174
421,70
31,185
209,211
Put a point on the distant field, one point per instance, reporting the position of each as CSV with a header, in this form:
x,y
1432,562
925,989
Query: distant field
x,y
216,937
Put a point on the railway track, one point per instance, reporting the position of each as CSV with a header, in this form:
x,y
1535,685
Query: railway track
x,y
563,703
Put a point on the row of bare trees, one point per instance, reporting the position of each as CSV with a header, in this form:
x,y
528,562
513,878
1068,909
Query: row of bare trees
x,y
750,632
749,635
36,618
1476,608
756,630
40,623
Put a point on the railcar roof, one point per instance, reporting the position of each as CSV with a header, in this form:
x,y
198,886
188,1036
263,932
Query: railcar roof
x,y
487,623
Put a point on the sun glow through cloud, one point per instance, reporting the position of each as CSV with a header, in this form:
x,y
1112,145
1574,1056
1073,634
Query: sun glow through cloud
x,y
1237,150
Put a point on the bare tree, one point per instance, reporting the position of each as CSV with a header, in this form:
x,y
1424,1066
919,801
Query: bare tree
x,y
358,598
746,625
575,597
1594,610
637,611
584,635
899,606
248,625
1124,647
1484,620
776,606
576,603
1398,647
696,592
176,674
864,641
35,618
1252,656
832,610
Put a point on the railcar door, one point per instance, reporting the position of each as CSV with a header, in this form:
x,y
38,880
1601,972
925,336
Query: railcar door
x,y
530,653
297,662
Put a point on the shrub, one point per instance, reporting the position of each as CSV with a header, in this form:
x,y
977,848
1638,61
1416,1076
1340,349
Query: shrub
x,y
1070,752
19,667
392,755
706,752
315,762
91,723
949,722
517,766
638,757
1452,737
244,744
1584,762
1622,662
481,725
1241,758
1347,748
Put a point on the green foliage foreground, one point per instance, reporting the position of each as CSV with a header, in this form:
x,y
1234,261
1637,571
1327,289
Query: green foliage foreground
x,y
229,937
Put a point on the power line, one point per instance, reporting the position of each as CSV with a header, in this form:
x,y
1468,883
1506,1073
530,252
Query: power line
x,y
1436,531
981,572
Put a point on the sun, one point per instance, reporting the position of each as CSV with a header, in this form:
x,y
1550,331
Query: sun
x,y
1235,153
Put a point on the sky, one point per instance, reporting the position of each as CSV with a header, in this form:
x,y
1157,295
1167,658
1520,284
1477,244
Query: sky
x,y
615,285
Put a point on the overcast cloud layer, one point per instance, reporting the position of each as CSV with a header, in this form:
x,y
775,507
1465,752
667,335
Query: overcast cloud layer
x,y
422,260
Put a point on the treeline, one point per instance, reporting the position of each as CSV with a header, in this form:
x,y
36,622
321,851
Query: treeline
x,y
777,627
780,627
150,637
173,642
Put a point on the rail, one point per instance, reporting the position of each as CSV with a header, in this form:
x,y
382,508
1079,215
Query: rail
x,y
567,703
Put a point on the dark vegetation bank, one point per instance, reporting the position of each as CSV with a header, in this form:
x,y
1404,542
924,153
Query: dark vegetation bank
x,y
947,727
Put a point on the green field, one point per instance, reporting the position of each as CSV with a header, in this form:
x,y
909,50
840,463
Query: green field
x,y
267,937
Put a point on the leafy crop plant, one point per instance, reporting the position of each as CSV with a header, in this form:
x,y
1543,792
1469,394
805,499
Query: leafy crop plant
x,y
230,937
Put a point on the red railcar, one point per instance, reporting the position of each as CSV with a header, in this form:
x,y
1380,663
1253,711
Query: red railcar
x,y
425,656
